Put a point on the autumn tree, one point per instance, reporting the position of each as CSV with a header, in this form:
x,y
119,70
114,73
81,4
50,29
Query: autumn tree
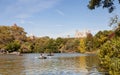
x,y
40,44
10,34
13,46
18,33
60,43
101,37
109,55
51,46
5,36
110,48
89,42
82,46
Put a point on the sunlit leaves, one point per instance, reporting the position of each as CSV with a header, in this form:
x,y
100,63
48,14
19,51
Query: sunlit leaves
x,y
82,46
10,34
94,3
109,56
13,46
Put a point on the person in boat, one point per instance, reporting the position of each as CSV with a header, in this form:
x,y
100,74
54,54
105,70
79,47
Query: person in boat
x,y
50,54
42,56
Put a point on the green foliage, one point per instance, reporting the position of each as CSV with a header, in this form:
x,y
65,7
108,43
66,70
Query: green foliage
x,y
110,4
82,46
5,36
51,46
93,4
76,43
13,46
12,37
110,56
59,42
108,42
117,30
101,37
26,47
89,42
67,44
109,45
18,33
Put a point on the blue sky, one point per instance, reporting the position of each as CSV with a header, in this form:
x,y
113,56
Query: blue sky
x,y
54,18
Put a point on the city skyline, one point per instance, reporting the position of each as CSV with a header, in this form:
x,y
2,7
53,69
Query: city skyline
x,y
54,18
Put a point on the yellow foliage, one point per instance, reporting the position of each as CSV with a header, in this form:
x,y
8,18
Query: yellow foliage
x,y
82,46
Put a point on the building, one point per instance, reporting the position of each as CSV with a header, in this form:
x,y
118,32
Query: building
x,y
81,34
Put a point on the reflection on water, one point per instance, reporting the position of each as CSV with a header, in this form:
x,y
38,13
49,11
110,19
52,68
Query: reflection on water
x,y
11,65
60,64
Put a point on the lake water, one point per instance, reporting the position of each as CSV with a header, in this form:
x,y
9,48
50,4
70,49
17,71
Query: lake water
x,y
59,64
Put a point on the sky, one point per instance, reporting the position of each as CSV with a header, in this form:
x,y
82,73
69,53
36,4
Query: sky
x,y
54,18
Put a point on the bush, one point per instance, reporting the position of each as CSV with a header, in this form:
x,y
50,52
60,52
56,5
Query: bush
x,y
109,55
13,46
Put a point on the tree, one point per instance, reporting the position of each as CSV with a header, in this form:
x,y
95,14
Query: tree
x,y
51,46
13,46
5,36
26,47
69,45
10,34
109,55
40,44
109,52
82,46
60,43
117,30
18,33
110,4
101,37
76,45
89,42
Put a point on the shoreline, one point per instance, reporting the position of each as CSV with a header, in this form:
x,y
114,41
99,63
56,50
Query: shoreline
x,y
18,53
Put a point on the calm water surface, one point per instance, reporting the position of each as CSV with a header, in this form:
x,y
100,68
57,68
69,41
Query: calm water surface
x,y
59,64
